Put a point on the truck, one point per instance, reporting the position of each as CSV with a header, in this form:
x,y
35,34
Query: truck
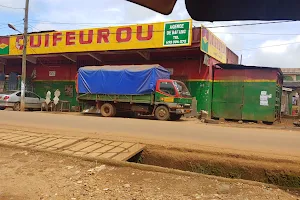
x,y
143,90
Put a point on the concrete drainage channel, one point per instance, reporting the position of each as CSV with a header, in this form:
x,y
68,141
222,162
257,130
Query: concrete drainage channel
x,y
283,173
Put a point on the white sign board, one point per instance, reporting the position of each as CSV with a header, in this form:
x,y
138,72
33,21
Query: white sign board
x,y
264,98
52,73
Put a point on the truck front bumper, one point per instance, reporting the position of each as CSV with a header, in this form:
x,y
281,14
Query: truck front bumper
x,y
183,111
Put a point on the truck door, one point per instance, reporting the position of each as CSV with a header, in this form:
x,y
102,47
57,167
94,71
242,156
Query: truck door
x,y
165,91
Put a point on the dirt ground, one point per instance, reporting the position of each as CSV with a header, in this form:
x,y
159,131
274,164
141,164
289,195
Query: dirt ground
x,y
30,175
284,124
242,148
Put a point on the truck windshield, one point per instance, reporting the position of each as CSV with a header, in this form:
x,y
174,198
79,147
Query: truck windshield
x,y
182,89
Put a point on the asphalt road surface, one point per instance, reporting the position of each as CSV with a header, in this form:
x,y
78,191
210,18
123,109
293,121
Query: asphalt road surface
x,y
270,141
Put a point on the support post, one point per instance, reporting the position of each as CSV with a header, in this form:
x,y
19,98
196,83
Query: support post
x,y
23,79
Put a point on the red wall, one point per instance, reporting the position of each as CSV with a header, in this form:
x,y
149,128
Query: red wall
x,y
189,67
63,72
232,58
245,74
16,69
183,68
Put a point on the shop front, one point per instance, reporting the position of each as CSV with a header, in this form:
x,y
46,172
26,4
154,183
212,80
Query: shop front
x,y
54,57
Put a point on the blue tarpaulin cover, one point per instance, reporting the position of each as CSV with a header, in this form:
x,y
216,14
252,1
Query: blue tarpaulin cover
x,y
121,79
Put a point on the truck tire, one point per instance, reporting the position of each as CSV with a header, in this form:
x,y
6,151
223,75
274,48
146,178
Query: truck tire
x,y
162,113
108,110
175,117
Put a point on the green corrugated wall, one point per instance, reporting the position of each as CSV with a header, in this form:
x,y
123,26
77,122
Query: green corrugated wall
x,y
42,87
241,100
201,89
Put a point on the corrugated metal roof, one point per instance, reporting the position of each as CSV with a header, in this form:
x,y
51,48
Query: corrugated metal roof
x,y
233,66
290,70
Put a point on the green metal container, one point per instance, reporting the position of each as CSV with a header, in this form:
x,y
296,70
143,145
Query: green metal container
x,y
246,93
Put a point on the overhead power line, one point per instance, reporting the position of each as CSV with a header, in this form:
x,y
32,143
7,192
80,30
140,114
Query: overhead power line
x,y
81,23
5,23
4,6
206,27
276,45
242,33
107,23
252,24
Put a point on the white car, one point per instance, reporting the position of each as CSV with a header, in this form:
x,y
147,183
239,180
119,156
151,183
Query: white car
x,y
11,99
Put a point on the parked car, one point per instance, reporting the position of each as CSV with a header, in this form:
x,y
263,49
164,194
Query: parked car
x,y
11,99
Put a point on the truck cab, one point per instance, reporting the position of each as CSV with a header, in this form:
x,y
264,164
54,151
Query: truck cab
x,y
175,96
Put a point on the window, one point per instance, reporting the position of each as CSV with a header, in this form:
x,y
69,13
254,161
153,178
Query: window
x,y
34,96
31,95
167,87
27,94
182,89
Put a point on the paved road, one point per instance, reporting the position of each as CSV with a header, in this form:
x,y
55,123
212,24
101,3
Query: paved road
x,y
280,142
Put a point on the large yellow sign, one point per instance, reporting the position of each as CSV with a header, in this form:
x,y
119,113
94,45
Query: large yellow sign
x,y
212,45
144,36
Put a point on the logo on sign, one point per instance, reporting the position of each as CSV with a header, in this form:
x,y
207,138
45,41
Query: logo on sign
x,y
4,45
212,45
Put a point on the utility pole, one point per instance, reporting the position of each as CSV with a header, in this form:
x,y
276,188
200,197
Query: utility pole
x,y
23,78
241,61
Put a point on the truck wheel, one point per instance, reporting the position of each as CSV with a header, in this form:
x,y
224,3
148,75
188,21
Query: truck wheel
x,y
108,110
17,107
162,113
175,117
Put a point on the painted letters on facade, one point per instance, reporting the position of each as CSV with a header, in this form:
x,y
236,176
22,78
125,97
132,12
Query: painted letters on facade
x,y
142,36
212,45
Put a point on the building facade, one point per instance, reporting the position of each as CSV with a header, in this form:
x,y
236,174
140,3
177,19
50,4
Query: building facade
x,y
291,82
54,57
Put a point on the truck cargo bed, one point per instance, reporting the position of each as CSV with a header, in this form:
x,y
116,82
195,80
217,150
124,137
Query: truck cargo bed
x,y
120,79
145,98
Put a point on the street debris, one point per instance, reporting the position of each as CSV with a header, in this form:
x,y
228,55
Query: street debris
x,y
70,167
96,169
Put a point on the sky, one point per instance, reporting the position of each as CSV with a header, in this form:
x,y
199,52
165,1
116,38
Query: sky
x,y
271,45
